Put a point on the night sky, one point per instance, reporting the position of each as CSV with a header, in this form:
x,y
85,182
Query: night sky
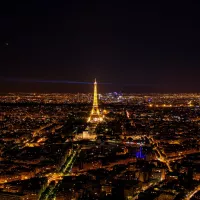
x,y
136,47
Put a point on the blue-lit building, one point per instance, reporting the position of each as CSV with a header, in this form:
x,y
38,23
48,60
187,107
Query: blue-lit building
x,y
139,154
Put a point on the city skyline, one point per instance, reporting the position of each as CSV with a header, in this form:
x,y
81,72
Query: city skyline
x,y
99,100
141,149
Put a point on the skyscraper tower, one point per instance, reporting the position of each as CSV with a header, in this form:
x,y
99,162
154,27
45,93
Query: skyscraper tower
x,y
95,116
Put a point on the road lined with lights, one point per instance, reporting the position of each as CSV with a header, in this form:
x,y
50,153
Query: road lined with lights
x,y
192,193
51,188
162,157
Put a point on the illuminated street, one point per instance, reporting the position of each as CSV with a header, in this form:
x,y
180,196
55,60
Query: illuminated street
x,y
50,191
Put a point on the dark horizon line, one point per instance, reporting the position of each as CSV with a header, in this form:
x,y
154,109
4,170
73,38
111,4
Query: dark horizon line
x,y
99,93
11,79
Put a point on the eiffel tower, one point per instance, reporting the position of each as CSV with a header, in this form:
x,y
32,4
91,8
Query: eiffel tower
x,y
95,116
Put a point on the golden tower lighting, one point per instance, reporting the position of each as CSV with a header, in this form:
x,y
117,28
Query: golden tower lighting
x,y
95,115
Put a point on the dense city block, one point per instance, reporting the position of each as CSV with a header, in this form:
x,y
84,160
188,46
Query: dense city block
x,y
146,147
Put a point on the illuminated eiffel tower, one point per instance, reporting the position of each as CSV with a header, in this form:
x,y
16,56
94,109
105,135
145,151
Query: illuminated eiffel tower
x,y
95,116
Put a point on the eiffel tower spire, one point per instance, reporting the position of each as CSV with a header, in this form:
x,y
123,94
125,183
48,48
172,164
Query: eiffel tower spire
x,y
95,116
95,99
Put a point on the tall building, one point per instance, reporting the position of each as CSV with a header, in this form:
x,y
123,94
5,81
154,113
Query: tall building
x,y
95,116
